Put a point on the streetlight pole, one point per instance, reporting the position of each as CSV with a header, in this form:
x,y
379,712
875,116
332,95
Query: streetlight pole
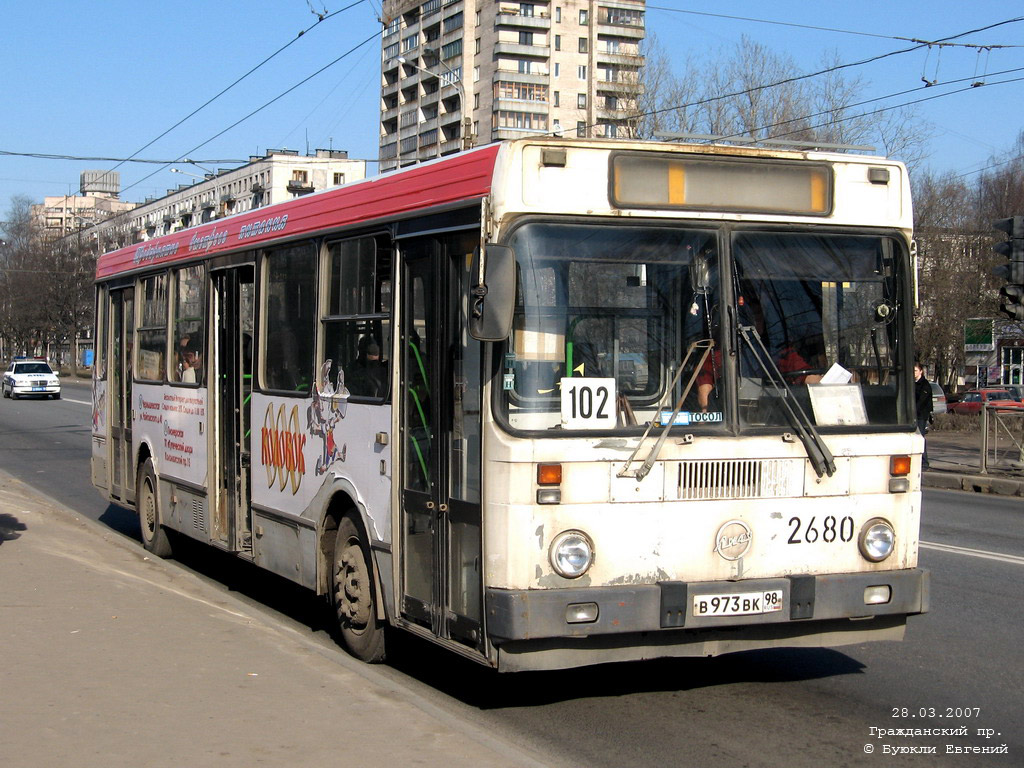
x,y
466,127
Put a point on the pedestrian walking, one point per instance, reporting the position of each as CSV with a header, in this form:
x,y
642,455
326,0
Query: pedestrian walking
x,y
923,399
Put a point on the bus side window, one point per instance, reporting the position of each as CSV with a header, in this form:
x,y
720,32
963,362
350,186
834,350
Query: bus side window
x,y
152,330
357,327
289,315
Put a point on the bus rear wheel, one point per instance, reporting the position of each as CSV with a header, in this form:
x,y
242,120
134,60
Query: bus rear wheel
x,y
147,501
355,596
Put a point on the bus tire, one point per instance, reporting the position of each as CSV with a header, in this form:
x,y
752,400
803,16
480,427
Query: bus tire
x,y
355,597
147,501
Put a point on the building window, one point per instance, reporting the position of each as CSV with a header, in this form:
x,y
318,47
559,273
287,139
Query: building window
x,y
430,7
520,91
453,22
581,129
557,68
558,42
339,179
581,71
476,74
391,51
584,17
556,99
410,42
611,130
558,14
476,101
522,120
478,46
452,49
526,9
526,38
393,26
624,17
581,101
611,102
583,45
525,67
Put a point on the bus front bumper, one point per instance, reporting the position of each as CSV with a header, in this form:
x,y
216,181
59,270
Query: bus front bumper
x,y
527,615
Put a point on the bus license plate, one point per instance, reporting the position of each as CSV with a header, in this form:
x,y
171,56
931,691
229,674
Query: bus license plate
x,y
742,604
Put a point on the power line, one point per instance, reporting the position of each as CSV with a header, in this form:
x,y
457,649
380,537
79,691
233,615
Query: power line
x,y
119,160
281,95
825,29
238,80
973,85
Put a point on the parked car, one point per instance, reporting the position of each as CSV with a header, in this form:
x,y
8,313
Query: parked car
x,y
30,377
975,398
938,398
1017,390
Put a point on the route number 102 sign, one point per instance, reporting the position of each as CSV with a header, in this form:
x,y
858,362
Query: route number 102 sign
x,y
588,403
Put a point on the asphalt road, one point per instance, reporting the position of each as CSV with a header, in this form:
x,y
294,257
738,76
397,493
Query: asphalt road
x,y
959,666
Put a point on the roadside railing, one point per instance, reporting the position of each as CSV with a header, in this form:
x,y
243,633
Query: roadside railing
x,y
995,423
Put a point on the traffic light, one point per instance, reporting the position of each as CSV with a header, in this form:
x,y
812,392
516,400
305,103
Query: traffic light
x,y
1011,295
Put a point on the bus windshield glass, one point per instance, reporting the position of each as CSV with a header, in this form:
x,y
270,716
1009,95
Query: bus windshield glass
x,y
638,313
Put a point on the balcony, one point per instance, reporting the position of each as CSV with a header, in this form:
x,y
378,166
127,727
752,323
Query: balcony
x,y
299,187
621,58
522,22
521,105
619,87
631,31
513,76
518,133
515,49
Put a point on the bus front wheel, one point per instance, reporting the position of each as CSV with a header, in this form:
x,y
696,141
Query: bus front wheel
x,y
147,501
355,599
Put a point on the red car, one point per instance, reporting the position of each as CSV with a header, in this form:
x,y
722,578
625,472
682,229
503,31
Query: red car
x,y
973,400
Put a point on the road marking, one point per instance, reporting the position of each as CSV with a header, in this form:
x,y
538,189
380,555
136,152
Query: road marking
x,y
1016,559
80,402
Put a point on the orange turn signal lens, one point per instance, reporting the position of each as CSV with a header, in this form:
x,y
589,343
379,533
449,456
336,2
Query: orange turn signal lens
x,y
549,474
899,466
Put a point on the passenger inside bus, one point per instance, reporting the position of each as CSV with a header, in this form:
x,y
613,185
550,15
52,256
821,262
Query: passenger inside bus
x,y
367,375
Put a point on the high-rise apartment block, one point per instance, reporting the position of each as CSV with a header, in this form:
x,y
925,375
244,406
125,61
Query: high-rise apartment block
x,y
462,72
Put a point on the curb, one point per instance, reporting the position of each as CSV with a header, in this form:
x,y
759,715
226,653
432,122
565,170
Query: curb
x,y
954,481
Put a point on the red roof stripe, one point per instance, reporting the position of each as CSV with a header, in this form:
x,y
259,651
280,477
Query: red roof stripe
x,y
465,176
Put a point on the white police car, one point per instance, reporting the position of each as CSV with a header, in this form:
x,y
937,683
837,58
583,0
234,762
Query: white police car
x,y
30,377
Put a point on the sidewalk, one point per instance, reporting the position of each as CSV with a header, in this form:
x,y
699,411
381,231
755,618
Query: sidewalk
x,y
111,658
955,464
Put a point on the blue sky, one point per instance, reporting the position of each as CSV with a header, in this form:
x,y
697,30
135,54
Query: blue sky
x,y
104,79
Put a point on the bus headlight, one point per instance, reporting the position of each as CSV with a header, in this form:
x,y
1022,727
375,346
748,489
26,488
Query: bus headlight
x,y
571,554
877,539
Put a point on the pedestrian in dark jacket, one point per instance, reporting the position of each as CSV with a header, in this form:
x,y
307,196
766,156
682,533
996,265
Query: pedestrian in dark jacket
x,y
923,400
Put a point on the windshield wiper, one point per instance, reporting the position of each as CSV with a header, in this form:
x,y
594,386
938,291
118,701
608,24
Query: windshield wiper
x,y
817,452
644,469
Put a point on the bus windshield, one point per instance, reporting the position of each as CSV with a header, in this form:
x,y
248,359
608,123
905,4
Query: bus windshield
x,y
630,306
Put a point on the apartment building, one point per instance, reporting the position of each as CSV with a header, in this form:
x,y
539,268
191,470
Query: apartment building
x,y
278,176
455,73
97,200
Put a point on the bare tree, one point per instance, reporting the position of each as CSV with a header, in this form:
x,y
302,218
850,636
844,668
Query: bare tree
x,y
953,227
752,91
22,311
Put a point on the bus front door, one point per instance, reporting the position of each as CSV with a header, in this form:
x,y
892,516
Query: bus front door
x,y
440,412
122,331
233,297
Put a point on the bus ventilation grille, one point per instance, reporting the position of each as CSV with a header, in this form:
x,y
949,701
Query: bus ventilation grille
x,y
198,514
739,479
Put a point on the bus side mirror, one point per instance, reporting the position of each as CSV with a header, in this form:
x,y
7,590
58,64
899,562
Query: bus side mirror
x,y
492,293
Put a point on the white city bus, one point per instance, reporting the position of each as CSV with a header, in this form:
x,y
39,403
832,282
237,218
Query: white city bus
x,y
547,402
